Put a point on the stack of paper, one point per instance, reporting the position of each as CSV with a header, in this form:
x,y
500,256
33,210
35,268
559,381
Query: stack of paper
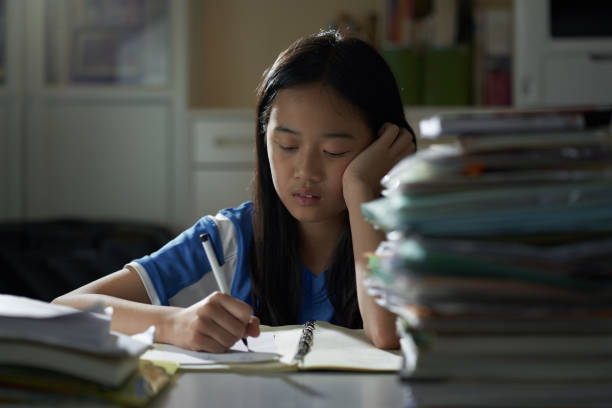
x,y
499,247
74,347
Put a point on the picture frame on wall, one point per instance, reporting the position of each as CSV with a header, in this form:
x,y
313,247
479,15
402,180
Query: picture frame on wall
x,y
101,55
121,14
107,42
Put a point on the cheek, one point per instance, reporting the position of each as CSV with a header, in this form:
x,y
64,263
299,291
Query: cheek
x,y
275,170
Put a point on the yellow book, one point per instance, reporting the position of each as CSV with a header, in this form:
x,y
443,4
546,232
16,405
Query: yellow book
x,y
313,346
39,387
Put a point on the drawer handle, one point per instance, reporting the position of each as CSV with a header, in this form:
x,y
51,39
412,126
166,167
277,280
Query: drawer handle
x,y
229,142
600,56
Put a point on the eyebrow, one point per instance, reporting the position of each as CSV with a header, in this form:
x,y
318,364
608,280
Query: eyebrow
x,y
328,135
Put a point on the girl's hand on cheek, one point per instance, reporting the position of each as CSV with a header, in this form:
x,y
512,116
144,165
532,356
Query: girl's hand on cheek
x,y
364,172
214,324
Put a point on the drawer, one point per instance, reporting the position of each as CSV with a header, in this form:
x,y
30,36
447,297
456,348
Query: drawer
x,y
578,79
228,140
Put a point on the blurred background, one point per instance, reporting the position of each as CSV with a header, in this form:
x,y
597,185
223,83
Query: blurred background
x,y
142,109
139,113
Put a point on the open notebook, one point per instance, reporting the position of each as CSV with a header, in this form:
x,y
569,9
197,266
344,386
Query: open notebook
x,y
331,348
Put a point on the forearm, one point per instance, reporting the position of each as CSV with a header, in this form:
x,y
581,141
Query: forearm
x,y
128,316
378,322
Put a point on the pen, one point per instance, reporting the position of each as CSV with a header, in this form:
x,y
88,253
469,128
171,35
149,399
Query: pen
x,y
216,269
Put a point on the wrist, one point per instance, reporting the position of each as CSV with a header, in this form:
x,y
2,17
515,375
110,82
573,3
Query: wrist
x,y
357,194
165,323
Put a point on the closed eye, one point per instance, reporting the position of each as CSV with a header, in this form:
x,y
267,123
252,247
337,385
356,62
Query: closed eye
x,y
334,154
287,148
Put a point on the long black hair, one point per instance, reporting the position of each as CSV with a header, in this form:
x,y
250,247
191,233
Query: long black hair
x,y
356,71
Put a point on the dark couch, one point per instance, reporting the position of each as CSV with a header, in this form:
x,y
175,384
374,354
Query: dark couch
x,y
45,259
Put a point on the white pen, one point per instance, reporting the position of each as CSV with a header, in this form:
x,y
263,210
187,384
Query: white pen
x,y
216,269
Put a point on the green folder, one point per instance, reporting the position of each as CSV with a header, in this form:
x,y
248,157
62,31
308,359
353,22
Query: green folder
x,y
447,76
406,65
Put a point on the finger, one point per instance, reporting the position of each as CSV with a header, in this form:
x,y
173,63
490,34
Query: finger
x,y
215,311
387,127
411,138
390,131
382,129
396,138
401,153
203,342
391,136
403,143
236,307
405,136
253,329
215,327
387,134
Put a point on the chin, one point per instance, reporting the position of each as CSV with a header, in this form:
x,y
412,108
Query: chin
x,y
312,215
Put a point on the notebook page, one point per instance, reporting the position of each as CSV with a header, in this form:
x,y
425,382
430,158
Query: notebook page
x,y
334,348
337,348
262,349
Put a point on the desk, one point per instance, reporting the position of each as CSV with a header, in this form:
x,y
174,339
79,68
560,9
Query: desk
x,y
355,390
294,389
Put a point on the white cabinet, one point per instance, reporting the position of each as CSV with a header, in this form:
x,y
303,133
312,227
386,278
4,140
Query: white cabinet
x,y
561,64
222,161
81,163
92,115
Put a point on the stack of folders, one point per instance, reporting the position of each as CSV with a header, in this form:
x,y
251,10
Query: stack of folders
x,y
60,355
498,258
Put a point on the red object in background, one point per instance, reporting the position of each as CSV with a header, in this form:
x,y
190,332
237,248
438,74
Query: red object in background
x,y
497,89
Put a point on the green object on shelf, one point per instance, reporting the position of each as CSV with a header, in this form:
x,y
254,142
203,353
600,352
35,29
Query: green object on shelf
x,y
406,65
447,76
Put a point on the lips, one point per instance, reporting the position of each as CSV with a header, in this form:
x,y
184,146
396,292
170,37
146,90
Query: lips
x,y
306,197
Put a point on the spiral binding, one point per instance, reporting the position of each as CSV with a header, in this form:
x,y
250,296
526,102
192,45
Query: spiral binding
x,y
306,341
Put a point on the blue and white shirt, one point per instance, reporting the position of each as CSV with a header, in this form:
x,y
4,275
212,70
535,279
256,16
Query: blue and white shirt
x,y
178,274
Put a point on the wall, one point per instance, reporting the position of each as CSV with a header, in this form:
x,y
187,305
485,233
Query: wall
x,y
233,42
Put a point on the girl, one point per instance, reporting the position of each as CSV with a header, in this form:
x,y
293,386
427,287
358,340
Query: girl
x,y
329,126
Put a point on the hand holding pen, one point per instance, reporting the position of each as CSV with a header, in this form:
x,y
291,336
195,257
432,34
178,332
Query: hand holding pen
x,y
213,324
218,273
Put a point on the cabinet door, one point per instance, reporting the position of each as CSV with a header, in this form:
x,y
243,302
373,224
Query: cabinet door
x,y
97,159
100,109
222,159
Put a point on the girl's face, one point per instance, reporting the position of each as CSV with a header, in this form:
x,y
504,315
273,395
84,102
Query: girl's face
x,y
312,135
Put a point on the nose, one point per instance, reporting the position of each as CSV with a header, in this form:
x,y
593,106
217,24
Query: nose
x,y
308,166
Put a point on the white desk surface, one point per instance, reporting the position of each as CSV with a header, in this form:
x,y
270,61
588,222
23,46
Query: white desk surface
x,y
344,389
